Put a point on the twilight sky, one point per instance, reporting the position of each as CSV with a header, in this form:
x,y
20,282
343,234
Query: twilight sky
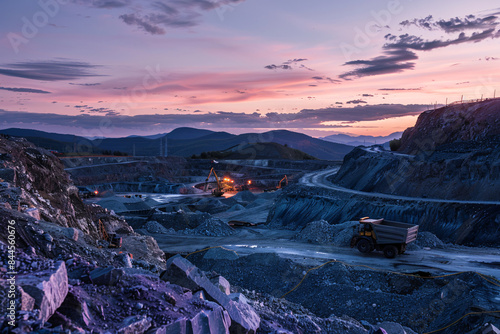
x,y
121,67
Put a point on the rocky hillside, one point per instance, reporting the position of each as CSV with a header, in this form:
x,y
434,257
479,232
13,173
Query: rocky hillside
x,y
457,123
451,153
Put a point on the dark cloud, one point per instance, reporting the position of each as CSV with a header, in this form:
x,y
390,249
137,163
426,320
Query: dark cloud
x,y
356,102
398,52
367,95
295,60
419,88
145,23
307,118
25,90
287,65
457,24
106,4
92,110
276,67
85,84
320,78
406,41
172,14
54,70
392,61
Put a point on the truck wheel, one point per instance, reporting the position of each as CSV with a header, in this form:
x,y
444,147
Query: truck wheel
x,y
364,246
390,252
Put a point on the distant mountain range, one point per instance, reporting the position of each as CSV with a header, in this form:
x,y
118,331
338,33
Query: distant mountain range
x,y
182,142
362,140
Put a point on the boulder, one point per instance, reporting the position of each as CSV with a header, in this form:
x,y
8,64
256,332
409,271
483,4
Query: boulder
x,y
33,212
27,302
392,327
123,260
490,329
222,284
214,321
106,276
136,324
72,233
48,289
180,326
76,309
238,297
182,272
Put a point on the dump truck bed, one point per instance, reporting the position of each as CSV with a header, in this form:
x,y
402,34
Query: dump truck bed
x,y
391,232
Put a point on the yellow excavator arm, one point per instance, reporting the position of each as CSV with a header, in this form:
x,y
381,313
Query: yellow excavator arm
x,y
219,186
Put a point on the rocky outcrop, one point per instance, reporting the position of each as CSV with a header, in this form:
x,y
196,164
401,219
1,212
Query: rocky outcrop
x,y
448,172
44,183
181,271
451,153
477,122
473,224
48,289
214,321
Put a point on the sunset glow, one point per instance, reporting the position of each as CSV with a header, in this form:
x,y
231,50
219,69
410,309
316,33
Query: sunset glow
x,y
241,65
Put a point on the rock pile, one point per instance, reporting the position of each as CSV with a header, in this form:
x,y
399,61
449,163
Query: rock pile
x,y
193,223
153,226
322,232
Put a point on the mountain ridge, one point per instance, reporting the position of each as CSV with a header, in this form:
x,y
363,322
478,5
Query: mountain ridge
x,y
182,142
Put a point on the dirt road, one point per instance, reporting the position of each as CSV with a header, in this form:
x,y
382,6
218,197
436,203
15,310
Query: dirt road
x,y
250,240
320,179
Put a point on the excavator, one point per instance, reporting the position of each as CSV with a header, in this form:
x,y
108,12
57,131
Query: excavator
x,y
281,181
218,191
111,239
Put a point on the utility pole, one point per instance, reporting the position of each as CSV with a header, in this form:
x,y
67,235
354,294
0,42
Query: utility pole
x,y
133,150
161,148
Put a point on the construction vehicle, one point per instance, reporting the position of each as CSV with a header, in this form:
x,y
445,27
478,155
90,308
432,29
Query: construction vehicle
x,y
285,179
218,192
112,240
383,235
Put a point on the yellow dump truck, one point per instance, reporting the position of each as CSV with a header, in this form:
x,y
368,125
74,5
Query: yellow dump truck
x,y
383,235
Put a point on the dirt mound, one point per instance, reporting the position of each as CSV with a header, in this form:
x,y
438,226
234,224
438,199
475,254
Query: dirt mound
x,y
213,227
209,205
322,232
245,196
236,207
156,228
427,240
